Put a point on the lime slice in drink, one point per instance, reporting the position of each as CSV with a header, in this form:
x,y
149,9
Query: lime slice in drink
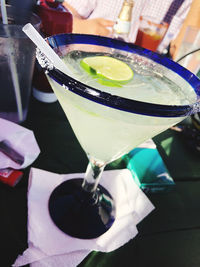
x,y
108,69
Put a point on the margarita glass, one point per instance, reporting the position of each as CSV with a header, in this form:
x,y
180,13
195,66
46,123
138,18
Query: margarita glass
x,y
110,119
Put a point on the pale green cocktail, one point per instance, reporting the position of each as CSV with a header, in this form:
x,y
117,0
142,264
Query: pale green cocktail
x,y
106,134
110,117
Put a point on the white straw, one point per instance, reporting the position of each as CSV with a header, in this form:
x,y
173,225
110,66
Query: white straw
x,y
3,12
16,85
13,67
33,34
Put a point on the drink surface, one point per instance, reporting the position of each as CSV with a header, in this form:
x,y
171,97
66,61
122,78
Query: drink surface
x,y
149,82
107,133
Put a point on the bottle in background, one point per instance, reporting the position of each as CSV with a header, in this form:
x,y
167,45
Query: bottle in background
x,y
123,24
55,19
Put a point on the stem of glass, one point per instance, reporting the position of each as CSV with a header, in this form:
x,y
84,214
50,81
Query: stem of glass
x,y
93,174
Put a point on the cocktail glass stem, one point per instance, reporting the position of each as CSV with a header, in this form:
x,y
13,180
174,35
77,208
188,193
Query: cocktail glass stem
x,y
93,174
82,207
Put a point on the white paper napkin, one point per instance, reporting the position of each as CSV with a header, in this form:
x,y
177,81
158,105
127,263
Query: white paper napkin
x,y
22,140
48,246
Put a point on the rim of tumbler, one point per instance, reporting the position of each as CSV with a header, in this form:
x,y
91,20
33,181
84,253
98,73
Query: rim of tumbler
x,y
19,20
115,101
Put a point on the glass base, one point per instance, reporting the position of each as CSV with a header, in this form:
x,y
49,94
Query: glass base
x,y
79,213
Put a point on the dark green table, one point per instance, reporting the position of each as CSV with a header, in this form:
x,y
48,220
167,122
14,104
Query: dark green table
x,y
168,237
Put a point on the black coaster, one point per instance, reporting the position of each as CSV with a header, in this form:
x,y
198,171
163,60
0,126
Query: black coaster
x,y
79,213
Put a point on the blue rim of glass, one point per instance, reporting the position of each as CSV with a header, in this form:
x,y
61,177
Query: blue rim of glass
x,y
115,101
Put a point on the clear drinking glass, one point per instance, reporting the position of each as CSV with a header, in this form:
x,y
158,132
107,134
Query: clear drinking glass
x,y
150,32
110,122
189,52
17,59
